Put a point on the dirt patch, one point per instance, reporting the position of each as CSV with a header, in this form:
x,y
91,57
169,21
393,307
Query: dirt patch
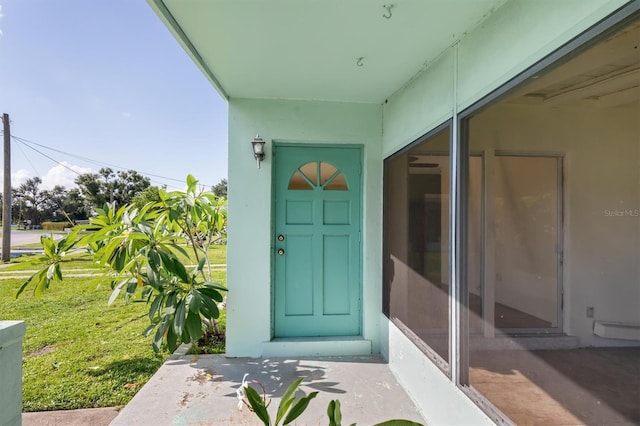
x,y
42,351
201,377
186,396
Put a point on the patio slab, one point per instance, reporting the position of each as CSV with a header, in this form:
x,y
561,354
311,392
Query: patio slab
x,y
201,390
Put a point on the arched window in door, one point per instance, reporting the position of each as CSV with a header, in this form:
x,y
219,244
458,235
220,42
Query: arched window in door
x,y
318,174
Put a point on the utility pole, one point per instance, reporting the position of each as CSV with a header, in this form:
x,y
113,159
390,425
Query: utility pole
x,y
6,195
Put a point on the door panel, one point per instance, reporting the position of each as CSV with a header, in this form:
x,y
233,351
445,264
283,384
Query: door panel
x,y
317,241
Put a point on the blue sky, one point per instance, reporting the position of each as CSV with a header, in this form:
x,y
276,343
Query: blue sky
x,y
106,81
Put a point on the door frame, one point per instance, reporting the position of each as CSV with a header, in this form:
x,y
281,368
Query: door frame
x,y
272,228
559,157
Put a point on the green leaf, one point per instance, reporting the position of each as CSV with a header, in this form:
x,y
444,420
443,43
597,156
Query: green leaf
x,y
180,271
299,408
211,293
194,325
208,308
191,184
57,272
257,404
195,298
214,286
116,292
132,286
201,264
172,339
149,329
180,318
157,339
119,260
69,241
155,306
25,284
49,246
333,411
41,282
154,260
51,270
287,399
153,279
398,422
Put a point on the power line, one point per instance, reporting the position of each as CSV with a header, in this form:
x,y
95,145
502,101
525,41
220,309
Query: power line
x,y
28,144
96,162
45,155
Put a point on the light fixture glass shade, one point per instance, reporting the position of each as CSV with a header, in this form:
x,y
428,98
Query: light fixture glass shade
x,y
258,149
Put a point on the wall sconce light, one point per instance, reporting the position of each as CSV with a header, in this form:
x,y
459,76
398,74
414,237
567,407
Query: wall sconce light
x,y
258,149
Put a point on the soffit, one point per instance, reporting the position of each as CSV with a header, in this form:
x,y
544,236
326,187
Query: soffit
x,y
309,49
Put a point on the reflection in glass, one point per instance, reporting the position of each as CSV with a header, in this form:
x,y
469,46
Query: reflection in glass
x,y
560,262
299,182
416,230
310,170
326,172
526,237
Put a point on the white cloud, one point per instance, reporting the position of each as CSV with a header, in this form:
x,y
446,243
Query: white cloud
x,y
57,175
61,175
16,178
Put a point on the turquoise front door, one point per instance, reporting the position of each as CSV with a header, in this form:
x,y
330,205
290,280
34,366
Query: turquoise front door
x,y
317,241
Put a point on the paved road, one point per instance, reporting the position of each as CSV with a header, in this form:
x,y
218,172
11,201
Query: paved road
x,y
19,238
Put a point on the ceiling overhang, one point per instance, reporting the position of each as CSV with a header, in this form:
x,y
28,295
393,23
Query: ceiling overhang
x,y
336,50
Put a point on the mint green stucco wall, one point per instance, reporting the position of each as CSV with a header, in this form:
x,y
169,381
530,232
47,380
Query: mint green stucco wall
x,y
250,206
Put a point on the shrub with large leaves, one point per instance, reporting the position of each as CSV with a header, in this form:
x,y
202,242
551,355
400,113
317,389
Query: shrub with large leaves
x,y
145,252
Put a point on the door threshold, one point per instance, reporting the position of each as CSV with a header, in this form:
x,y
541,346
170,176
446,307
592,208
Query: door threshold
x,y
316,346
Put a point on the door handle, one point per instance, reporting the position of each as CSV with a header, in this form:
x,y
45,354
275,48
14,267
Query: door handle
x,y
280,252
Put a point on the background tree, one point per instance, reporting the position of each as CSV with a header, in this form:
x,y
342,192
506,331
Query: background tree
x,y
109,187
150,194
91,190
51,206
74,205
29,199
220,189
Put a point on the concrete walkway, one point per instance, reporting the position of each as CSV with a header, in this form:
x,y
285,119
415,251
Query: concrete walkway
x,y
201,390
85,417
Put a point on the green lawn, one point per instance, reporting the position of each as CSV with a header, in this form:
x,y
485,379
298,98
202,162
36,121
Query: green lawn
x,y
79,353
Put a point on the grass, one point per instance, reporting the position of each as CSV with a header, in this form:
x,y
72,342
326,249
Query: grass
x,y
79,353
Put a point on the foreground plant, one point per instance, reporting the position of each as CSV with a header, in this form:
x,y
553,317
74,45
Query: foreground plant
x,y
142,250
291,408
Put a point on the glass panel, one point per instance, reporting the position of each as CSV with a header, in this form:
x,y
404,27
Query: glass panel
x,y
326,171
555,332
475,242
416,236
526,234
310,170
298,182
338,183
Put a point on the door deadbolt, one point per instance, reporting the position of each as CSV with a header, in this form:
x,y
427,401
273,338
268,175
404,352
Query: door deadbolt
x,y
280,252
280,237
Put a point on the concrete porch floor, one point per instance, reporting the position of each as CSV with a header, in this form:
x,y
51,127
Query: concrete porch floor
x,y
202,391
